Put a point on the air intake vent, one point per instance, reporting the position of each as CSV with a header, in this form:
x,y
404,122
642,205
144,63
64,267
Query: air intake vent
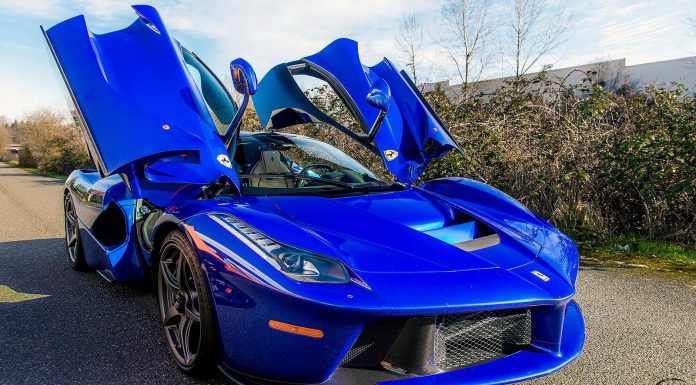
x,y
427,345
467,339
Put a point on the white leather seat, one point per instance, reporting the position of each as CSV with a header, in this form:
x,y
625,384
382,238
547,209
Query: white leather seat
x,y
270,162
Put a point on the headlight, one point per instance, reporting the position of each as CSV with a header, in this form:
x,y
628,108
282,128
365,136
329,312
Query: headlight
x,y
295,263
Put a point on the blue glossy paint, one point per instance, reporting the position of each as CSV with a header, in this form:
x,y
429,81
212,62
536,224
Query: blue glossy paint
x,y
398,245
556,250
407,289
383,238
456,233
244,81
136,100
411,130
243,77
380,95
92,195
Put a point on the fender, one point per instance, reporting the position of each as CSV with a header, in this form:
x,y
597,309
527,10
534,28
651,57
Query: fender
x,y
558,251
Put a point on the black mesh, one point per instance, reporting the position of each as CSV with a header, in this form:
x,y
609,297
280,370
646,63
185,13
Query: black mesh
x,y
373,344
467,339
455,341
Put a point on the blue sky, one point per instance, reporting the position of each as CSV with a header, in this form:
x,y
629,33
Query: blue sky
x,y
269,32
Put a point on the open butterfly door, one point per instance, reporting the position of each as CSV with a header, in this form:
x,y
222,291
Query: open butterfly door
x,y
408,137
140,110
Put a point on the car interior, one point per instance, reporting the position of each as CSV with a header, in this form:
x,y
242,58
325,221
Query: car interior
x,y
303,165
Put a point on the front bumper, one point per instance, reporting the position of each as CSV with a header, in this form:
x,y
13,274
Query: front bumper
x,y
254,350
519,366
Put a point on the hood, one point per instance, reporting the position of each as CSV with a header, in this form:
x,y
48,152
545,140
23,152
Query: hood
x,y
393,232
388,246
410,136
137,103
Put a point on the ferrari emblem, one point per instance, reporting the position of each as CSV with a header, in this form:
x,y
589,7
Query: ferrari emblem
x,y
391,154
224,160
541,276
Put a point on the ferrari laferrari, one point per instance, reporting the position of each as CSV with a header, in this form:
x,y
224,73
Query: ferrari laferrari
x,y
276,257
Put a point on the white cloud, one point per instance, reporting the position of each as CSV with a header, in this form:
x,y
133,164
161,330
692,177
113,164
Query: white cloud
x,y
15,46
271,32
37,8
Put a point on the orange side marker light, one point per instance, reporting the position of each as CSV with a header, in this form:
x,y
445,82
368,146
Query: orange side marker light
x,y
294,329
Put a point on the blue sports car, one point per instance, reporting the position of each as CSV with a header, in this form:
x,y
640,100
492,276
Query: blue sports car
x,y
278,258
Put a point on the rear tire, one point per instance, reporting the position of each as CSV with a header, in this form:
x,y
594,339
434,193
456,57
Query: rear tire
x,y
76,256
186,307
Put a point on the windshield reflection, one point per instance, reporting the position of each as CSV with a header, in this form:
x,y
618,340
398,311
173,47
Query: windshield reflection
x,y
273,163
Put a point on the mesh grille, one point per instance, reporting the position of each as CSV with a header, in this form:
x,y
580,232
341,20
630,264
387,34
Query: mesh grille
x,y
468,339
373,344
420,345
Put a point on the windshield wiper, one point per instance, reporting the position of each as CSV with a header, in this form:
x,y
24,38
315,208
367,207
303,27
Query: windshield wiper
x,y
385,187
296,177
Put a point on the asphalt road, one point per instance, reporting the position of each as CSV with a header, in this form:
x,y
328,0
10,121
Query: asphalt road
x,y
58,326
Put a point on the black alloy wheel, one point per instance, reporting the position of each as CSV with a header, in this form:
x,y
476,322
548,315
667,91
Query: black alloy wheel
x,y
185,306
76,256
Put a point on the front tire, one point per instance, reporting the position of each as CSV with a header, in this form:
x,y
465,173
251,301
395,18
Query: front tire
x,y
76,256
186,307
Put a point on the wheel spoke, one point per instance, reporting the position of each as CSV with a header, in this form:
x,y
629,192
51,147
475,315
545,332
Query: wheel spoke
x,y
180,267
185,277
192,314
185,337
171,316
169,278
72,238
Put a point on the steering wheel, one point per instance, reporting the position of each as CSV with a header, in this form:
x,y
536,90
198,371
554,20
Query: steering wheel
x,y
305,171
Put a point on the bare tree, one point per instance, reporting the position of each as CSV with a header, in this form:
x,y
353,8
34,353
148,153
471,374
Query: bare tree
x,y
465,35
409,42
533,30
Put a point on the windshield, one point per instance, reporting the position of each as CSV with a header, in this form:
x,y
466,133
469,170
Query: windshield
x,y
273,164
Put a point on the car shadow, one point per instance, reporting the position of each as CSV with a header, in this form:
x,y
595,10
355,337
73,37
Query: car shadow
x,y
62,326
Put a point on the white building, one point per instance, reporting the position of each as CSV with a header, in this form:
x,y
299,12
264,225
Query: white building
x,y
614,74
664,72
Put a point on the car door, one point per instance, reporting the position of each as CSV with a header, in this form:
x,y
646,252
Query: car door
x,y
410,136
138,104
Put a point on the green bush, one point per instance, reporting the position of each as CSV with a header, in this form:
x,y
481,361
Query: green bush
x,y
26,159
51,143
5,140
597,164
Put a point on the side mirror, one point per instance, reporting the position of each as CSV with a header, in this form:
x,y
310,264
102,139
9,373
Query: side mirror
x,y
244,81
243,77
380,98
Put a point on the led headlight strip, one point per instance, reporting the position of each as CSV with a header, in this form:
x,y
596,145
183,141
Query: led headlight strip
x,y
295,263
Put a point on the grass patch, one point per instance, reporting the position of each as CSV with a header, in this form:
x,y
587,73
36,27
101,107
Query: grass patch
x,y
640,247
639,252
7,295
37,171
